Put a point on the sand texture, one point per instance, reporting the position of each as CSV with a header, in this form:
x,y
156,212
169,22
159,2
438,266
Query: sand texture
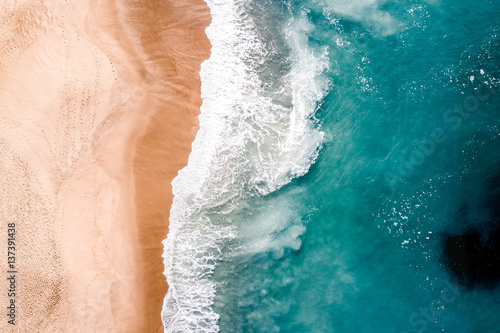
x,y
99,102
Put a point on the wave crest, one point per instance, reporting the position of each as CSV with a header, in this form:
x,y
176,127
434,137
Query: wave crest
x,y
252,140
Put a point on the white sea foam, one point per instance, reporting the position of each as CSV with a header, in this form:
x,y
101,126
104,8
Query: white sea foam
x,y
273,229
251,142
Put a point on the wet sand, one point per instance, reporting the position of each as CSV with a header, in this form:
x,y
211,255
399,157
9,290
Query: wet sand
x,y
98,109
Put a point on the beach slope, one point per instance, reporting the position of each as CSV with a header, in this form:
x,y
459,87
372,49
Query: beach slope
x,y
98,109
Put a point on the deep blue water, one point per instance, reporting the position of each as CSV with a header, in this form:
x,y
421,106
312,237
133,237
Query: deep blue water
x,y
355,241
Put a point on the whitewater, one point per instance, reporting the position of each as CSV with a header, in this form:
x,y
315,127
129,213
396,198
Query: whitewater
x,y
257,132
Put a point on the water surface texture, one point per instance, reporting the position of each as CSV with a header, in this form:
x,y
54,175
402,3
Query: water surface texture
x,y
345,177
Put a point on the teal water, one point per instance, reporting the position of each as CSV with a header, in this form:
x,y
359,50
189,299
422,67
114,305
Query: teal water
x,y
411,130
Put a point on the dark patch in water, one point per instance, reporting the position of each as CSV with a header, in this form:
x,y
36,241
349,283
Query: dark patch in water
x,y
473,256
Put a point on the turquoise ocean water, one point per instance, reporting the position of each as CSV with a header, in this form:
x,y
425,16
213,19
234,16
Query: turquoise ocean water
x,y
343,146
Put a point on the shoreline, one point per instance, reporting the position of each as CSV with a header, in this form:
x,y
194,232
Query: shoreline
x,y
165,147
100,103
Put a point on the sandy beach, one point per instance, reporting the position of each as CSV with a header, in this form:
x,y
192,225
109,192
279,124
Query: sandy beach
x,y
98,109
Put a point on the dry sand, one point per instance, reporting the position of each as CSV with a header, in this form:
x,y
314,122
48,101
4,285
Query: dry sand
x,y
98,109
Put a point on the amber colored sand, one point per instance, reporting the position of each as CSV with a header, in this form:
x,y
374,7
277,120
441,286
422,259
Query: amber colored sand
x,y
98,109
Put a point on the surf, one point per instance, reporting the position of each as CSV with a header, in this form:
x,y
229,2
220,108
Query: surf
x,y
257,132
